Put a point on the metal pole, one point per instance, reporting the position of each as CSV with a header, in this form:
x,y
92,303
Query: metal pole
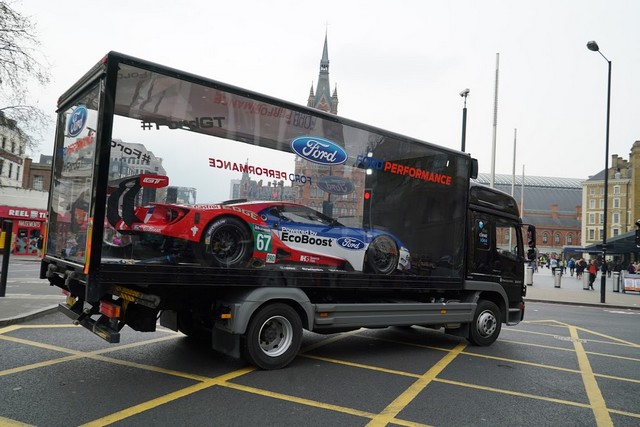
x,y
603,280
464,124
513,172
495,126
7,227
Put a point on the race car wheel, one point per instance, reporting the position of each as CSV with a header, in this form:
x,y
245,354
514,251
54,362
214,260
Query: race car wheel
x,y
486,324
273,337
227,243
382,255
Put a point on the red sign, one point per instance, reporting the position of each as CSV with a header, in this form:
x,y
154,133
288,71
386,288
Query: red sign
x,y
23,213
153,181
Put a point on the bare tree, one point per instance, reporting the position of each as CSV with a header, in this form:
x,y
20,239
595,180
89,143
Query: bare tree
x,y
21,63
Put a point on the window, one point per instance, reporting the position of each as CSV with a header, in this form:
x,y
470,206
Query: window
x,y
17,172
38,182
601,203
616,189
592,218
4,142
592,234
545,238
615,218
592,204
556,239
592,191
10,169
601,232
569,239
602,190
616,202
13,146
600,219
616,231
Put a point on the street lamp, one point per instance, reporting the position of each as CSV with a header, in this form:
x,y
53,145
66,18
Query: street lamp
x,y
464,94
592,45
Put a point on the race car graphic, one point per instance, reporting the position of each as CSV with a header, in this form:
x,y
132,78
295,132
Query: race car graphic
x,y
244,233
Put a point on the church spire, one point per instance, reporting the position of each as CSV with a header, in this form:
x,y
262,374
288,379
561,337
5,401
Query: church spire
x,y
322,100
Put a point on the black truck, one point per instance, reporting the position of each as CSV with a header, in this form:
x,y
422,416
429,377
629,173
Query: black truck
x,y
297,219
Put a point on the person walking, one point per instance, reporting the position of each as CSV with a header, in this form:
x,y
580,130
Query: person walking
x,y
572,265
604,268
593,271
580,268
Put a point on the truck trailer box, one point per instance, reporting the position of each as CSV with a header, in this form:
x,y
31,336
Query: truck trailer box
x,y
210,204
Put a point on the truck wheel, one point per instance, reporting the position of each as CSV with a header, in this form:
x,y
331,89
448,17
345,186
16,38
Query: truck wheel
x,y
227,243
486,324
273,337
382,255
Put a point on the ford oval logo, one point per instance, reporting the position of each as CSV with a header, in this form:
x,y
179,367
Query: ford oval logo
x,y
335,185
319,150
77,120
351,243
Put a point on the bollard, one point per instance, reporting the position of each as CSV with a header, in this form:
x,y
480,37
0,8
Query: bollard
x,y
558,278
585,280
616,281
529,276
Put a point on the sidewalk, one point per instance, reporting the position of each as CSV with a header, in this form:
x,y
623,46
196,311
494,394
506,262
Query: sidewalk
x,y
21,303
571,292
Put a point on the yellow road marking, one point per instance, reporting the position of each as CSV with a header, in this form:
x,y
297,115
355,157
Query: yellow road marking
x,y
360,365
7,422
153,403
598,405
393,409
512,393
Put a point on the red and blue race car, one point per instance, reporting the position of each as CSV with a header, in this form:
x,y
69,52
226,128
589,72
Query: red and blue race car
x,y
259,233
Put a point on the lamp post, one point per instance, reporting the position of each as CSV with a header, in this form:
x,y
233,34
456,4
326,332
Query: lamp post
x,y
592,45
464,94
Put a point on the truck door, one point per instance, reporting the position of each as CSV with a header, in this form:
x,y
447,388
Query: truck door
x,y
495,252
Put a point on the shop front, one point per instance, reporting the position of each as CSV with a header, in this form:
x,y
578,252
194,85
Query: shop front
x,y
27,226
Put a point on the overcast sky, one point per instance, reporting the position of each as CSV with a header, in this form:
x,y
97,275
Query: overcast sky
x,y
397,65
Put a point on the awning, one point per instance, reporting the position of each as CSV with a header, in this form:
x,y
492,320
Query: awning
x,y
621,244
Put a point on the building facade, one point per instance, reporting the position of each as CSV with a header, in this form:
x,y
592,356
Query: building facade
x,y
623,207
13,144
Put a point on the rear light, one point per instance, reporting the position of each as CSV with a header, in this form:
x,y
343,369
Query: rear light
x,y
110,309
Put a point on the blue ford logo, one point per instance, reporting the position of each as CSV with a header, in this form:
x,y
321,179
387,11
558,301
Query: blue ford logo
x,y
77,120
335,185
319,150
351,243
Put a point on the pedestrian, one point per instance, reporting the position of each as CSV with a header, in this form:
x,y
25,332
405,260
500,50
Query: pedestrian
x,y
572,266
593,271
40,245
604,267
579,268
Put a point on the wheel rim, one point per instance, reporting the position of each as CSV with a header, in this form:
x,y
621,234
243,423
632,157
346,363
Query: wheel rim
x,y
384,255
226,245
276,336
486,324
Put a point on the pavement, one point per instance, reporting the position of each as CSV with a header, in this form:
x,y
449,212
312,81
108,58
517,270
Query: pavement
x,y
30,298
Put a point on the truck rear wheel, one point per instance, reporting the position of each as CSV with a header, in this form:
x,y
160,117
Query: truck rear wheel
x,y
273,337
486,324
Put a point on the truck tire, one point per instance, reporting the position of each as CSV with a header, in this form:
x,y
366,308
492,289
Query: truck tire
x,y
227,243
382,255
273,337
486,324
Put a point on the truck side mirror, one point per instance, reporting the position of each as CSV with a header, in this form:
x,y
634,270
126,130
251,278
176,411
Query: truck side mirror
x,y
531,236
638,233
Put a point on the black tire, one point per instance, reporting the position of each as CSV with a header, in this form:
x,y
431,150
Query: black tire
x,y
227,243
487,323
382,255
273,337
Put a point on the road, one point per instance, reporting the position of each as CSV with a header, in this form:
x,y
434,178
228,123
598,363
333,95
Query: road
x,y
565,365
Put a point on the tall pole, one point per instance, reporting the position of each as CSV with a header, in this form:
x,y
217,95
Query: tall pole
x,y
513,172
592,45
464,94
495,125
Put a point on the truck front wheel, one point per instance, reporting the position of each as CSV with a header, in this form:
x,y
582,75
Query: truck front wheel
x,y
273,337
486,324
